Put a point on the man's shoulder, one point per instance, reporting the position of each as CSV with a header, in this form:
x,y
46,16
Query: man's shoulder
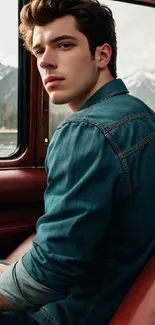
x,y
124,118
112,110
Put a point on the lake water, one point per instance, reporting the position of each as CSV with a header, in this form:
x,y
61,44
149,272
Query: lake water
x,y
8,143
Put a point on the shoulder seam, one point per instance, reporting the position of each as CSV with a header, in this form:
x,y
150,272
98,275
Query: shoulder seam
x,y
122,155
116,149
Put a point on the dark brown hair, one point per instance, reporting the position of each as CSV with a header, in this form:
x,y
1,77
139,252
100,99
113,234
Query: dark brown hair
x,y
94,20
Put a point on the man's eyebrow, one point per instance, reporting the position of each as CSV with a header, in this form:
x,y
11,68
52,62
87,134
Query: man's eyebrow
x,y
56,39
62,37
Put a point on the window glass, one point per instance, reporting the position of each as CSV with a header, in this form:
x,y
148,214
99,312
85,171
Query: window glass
x,y
8,76
135,26
57,114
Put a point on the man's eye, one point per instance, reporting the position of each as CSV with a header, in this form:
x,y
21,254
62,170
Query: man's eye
x,y
65,45
39,53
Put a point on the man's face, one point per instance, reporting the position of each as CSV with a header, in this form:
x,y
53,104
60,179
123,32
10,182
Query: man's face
x,y
68,71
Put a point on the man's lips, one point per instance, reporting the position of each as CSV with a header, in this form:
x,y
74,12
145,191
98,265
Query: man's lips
x,y
51,79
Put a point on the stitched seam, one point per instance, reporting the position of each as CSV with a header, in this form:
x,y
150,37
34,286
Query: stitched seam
x,y
88,110
111,126
139,145
105,98
127,188
97,124
127,119
116,148
50,317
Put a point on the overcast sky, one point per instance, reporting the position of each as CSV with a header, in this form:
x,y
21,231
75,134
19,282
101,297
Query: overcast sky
x,y
8,32
135,26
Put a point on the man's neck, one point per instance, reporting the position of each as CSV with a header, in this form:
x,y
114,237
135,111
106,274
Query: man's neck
x,y
79,102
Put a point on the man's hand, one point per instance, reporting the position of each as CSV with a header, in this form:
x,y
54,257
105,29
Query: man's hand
x,y
6,305
3,267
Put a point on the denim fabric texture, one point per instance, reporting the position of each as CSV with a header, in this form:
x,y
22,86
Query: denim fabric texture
x,y
14,318
98,230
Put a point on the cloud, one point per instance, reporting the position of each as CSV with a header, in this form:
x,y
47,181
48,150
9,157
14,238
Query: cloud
x,y
148,51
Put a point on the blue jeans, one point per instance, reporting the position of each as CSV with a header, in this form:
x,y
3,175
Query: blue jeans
x,y
17,318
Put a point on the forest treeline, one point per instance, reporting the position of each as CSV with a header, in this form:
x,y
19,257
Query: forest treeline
x,y
55,120
8,116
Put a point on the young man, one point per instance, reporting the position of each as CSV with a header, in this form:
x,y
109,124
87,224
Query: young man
x,y
98,230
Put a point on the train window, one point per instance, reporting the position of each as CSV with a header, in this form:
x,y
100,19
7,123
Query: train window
x,y
8,77
135,25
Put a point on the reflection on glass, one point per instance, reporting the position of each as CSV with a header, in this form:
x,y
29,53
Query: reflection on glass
x,y
8,77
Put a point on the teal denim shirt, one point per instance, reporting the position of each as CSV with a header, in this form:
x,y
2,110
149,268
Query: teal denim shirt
x,y
98,230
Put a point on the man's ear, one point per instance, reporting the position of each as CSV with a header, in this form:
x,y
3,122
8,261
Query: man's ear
x,y
103,55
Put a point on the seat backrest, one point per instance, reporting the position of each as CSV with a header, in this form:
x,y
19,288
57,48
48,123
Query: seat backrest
x,y
23,248
138,308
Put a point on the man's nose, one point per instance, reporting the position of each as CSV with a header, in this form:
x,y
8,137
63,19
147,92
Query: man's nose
x,y
47,61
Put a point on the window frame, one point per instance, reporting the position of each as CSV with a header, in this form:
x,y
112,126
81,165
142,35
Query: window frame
x,y
30,150
148,3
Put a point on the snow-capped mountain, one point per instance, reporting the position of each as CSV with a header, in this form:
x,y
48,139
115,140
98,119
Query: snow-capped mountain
x,y
8,85
142,85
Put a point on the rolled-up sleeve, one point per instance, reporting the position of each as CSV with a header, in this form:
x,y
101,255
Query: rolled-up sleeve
x,y
17,286
84,173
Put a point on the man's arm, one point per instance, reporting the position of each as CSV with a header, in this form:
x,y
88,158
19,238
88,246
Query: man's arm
x,y
84,176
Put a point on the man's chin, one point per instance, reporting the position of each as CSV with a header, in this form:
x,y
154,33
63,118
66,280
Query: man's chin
x,y
57,100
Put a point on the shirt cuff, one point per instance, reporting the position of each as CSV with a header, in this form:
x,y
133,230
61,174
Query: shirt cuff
x,y
23,291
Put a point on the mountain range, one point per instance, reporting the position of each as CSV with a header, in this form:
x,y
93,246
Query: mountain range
x,y
140,83
8,85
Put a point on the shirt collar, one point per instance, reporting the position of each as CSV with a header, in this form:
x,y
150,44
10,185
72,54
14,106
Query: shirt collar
x,y
110,89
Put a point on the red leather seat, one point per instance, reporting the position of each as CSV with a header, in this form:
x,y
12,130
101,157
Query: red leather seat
x,y
20,250
138,308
